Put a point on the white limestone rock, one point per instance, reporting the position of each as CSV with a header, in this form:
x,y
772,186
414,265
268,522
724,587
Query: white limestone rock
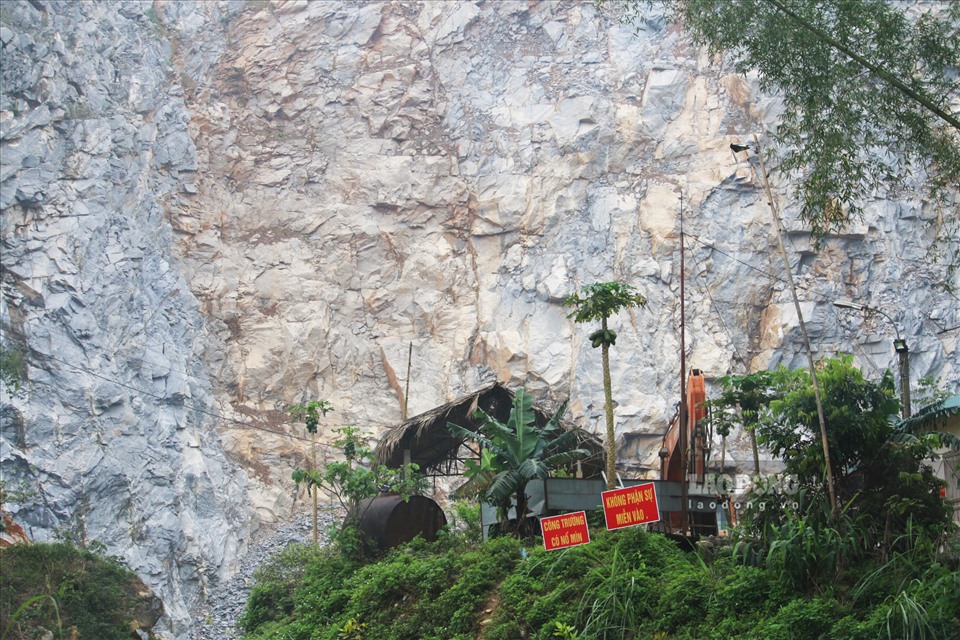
x,y
216,209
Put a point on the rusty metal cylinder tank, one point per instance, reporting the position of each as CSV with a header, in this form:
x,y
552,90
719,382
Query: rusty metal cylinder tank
x,y
387,521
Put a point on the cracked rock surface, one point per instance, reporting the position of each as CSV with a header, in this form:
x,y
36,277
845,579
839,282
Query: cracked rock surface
x,y
214,209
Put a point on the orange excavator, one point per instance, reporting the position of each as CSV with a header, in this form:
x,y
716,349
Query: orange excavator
x,y
695,431
687,435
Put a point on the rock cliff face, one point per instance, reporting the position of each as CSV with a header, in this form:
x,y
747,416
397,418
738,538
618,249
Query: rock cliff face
x,y
112,431
214,209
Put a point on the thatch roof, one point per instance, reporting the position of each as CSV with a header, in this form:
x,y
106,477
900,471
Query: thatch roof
x,y
438,452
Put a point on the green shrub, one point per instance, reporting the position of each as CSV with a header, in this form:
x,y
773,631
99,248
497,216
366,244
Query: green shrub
x,y
69,587
684,594
13,366
926,607
801,620
746,590
626,584
273,597
465,521
604,589
422,590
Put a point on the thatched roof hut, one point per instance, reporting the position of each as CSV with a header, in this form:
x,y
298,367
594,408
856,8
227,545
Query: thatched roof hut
x,y
438,452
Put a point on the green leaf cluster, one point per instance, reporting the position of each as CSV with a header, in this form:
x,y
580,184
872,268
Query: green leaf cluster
x,y
627,584
67,590
742,401
310,413
600,300
515,453
880,474
927,427
867,90
355,479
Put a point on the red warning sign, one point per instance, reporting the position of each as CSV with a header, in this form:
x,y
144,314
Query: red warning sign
x,y
630,506
567,530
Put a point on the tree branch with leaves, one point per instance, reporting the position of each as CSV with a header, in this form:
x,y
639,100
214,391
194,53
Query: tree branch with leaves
x,y
310,414
869,90
354,480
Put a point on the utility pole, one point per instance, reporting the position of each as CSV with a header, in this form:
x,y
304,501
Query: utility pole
x,y
803,327
903,355
406,393
684,409
899,346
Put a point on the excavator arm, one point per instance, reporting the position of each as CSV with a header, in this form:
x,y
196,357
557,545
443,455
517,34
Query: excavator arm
x,y
671,462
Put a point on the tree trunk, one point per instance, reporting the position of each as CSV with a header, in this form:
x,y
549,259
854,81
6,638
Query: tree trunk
x,y
521,511
756,453
723,452
611,445
313,461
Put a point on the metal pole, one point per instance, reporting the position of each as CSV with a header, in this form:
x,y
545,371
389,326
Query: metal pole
x,y
899,346
903,352
903,358
683,389
803,329
406,394
314,489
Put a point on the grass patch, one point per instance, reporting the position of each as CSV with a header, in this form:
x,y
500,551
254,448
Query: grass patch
x,y
70,592
623,585
419,591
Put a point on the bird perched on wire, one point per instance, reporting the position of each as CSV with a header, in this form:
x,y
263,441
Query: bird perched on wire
x,y
737,148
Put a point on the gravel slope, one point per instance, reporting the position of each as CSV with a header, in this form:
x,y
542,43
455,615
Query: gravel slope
x,y
216,619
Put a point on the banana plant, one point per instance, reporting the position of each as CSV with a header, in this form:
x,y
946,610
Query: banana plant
x,y
515,453
934,421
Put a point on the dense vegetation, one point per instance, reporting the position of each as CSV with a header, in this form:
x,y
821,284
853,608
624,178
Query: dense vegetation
x,y
511,455
624,584
70,592
883,566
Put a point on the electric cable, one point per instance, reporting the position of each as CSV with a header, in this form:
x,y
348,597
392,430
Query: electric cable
x,y
757,269
234,421
713,304
185,405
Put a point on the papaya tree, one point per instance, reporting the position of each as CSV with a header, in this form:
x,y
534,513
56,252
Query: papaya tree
x,y
353,480
515,453
599,301
742,401
310,414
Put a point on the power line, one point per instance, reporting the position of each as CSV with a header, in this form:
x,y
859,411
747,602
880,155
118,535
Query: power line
x,y
750,266
184,404
239,423
60,334
816,296
723,324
